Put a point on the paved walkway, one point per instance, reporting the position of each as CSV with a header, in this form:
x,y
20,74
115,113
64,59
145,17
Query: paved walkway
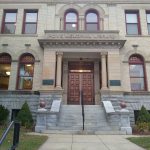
x,y
88,142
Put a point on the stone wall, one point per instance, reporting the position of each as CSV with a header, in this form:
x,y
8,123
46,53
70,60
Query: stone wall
x,y
134,101
15,100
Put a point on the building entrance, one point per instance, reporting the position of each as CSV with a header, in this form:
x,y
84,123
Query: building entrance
x,y
81,81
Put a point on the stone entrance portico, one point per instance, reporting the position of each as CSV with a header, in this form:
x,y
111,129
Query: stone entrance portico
x,y
102,48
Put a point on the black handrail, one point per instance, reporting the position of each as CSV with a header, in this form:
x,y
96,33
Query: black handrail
x,y
6,132
83,115
15,135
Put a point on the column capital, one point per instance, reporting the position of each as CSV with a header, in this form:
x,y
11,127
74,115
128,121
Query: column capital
x,y
103,53
59,53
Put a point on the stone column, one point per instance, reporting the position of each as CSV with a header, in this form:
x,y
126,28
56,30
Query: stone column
x,y
104,71
101,24
65,81
59,70
13,75
81,23
97,82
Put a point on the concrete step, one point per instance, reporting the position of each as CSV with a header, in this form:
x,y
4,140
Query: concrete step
x,y
115,132
70,120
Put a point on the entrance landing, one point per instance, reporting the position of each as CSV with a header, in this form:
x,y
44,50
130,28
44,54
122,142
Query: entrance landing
x,y
88,142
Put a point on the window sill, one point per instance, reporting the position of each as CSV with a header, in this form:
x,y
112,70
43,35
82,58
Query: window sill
x,y
137,93
137,36
19,35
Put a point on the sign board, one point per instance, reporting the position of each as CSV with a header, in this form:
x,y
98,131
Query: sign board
x,y
108,106
55,106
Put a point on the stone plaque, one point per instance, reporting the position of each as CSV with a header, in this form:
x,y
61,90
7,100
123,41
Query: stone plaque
x,y
108,106
55,106
48,82
115,83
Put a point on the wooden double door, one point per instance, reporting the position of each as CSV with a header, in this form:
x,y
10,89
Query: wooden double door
x,y
81,83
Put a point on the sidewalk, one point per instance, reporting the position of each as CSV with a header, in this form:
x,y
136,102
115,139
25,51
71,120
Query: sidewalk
x,y
88,142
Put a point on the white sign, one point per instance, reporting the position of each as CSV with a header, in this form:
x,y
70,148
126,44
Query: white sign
x,y
108,106
55,106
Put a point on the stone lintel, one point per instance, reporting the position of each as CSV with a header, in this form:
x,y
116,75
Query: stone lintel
x,y
79,39
103,44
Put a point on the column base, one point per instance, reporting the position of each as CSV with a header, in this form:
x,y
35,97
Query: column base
x,y
58,88
104,89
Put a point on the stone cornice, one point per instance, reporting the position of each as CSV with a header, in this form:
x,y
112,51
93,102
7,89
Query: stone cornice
x,y
82,39
79,1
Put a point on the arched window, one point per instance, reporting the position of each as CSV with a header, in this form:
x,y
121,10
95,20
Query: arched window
x,y
5,65
137,73
26,71
71,20
91,21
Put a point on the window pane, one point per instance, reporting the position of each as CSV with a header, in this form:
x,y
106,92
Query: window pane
x,y
30,28
148,18
4,83
137,84
91,27
9,28
91,17
31,17
136,71
71,27
131,18
4,69
22,71
10,17
25,83
29,69
26,70
4,76
148,28
71,17
132,29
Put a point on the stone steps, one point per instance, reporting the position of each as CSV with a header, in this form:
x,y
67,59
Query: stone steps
x,y
70,120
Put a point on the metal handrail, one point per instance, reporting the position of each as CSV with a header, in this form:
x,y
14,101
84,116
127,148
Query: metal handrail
x,y
15,135
83,115
6,132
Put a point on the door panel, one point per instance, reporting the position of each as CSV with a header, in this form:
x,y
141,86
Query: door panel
x,y
74,88
87,88
81,82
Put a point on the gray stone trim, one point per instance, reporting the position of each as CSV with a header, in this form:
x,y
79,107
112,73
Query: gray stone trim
x,y
86,32
137,93
79,1
18,35
3,92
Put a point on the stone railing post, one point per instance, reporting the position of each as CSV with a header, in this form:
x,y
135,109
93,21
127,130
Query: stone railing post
x,y
41,118
125,121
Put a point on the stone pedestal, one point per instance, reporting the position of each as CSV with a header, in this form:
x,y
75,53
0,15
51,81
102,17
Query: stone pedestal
x,y
53,119
41,120
125,121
